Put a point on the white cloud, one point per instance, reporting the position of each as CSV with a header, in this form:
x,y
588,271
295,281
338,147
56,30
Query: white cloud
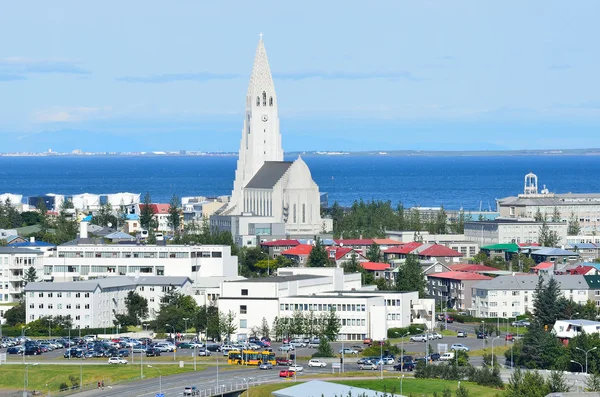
x,y
69,115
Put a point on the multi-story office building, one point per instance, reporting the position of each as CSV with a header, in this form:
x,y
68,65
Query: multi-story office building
x,y
505,230
510,296
363,313
94,303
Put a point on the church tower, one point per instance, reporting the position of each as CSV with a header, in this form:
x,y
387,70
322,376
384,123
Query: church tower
x,y
261,139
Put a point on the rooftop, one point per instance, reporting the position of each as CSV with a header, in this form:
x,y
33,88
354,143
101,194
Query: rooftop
x,y
530,281
548,251
302,249
463,276
104,283
17,250
374,266
465,267
280,243
279,279
317,388
437,250
269,174
357,241
502,247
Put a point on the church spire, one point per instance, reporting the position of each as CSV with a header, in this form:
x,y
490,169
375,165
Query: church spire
x,y
261,80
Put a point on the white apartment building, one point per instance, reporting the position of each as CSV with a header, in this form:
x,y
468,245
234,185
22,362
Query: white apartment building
x,y
94,303
504,230
14,262
510,296
362,313
79,261
568,329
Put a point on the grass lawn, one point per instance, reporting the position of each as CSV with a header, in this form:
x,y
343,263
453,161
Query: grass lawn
x,y
499,350
414,387
12,376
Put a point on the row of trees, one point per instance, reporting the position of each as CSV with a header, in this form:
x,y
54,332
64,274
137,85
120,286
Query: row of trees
x,y
371,219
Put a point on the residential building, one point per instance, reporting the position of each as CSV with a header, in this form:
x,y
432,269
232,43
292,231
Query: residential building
x,y
453,289
379,270
341,255
457,242
276,247
82,259
298,254
428,252
593,282
161,216
554,255
588,252
585,207
360,245
94,303
568,329
510,296
200,210
247,229
508,230
14,262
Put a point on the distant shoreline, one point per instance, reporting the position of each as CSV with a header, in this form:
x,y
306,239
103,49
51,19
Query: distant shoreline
x,y
317,153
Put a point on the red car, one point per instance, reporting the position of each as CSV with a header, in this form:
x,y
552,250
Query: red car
x,y
283,361
509,337
285,341
286,373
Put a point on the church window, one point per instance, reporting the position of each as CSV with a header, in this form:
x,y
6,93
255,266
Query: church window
x,y
264,98
294,213
257,101
303,213
270,101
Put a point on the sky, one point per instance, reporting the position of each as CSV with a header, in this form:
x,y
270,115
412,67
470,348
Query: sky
x,y
350,75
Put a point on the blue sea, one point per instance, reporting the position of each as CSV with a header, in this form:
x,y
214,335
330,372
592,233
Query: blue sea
x,y
454,182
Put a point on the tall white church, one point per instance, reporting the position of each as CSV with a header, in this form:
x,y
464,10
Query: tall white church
x,y
265,184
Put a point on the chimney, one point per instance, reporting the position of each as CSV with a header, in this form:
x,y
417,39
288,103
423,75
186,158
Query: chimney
x,y
83,230
32,239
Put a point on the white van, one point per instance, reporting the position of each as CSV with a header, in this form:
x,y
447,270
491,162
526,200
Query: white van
x,y
447,356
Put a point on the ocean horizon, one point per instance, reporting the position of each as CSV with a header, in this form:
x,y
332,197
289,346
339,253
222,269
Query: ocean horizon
x,y
469,182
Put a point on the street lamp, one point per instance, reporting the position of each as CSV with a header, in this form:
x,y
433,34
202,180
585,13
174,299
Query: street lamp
x,y
159,378
146,326
483,334
49,328
23,329
493,340
169,325
26,379
573,314
402,352
577,362
586,356
185,319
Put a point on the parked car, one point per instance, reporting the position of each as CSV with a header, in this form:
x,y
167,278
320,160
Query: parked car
x,y
385,361
117,360
265,366
152,352
286,348
407,366
123,353
418,338
316,363
203,352
283,361
213,348
520,323
461,334
314,343
482,335
437,335
368,365
434,357
357,348
509,338
15,350
447,356
296,368
286,373
363,360
298,343
348,350
459,346
191,391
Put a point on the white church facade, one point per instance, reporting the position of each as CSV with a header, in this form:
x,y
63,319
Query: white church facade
x,y
267,188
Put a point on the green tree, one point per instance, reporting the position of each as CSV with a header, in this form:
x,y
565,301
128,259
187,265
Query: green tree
x,y
557,382
44,220
410,277
556,216
31,218
441,221
522,263
374,252
318,255
461,358
324,349
462,391
228,325
174,307
175,215
29,276
213,320
137,307
592,383
548,237
264,328
526,384
332,325
538,217
574,228
146,212
105,216
337,215
15,315
545,298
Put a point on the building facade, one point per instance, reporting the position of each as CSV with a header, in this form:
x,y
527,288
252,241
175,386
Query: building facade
x,y
504,230
14,263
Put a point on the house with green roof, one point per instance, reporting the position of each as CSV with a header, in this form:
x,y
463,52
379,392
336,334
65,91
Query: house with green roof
x,y
594,291
504,251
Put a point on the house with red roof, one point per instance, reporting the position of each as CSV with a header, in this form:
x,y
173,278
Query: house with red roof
x,y
583,270
298,254
467,267
360,245
453,288
379,270
428,252
343,254
276,247
161,216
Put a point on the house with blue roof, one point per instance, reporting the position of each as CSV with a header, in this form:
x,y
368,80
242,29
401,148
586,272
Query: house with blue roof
x,y
587,251
554,255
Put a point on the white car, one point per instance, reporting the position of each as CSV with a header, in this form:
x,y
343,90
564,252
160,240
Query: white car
x,y
286,348
317,363
296,368
298,343
347,350
437,335
117,360
418,338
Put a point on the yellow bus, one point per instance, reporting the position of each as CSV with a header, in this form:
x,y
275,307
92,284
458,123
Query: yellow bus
x,y
250,357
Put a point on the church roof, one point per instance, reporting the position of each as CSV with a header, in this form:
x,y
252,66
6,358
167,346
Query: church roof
x,y
268,175
261,79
